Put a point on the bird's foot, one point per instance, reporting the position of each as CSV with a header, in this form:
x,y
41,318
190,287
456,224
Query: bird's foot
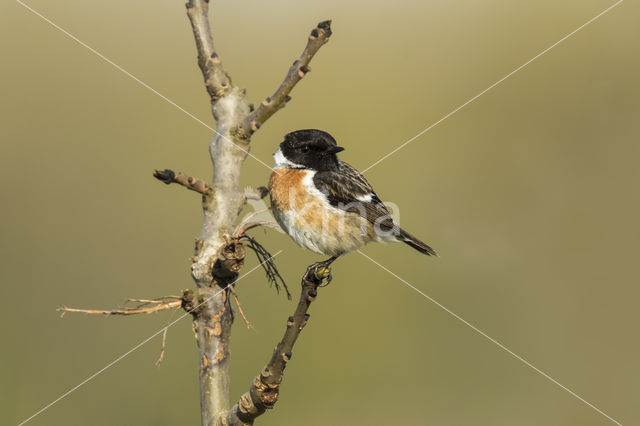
x,y
319,272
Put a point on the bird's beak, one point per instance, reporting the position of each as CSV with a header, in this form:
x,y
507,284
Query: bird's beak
x,y
335,149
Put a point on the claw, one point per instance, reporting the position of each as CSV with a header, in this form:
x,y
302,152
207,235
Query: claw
x,y
320,271
323,272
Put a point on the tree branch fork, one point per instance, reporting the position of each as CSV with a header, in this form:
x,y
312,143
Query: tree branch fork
x,y
220,248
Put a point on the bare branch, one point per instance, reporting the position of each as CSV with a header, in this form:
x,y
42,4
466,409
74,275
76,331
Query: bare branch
x,y
256,193
149,301
219,256
264,391
245,226
168,176
216,80
162,347
244,316
318,37
211,269
157,307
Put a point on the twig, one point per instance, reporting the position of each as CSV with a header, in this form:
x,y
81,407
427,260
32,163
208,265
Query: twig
x,y
156,300
256,193
265,387
235,297
240,228
164,339
245,226
125,311
168,176
319,36
162,347
216,79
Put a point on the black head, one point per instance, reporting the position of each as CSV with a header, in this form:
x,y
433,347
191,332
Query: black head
x,y
309,148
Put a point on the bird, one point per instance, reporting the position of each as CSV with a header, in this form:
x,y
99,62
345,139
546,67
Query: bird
x,y
324,204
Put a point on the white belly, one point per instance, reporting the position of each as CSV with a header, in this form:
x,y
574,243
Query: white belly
x,y
350,234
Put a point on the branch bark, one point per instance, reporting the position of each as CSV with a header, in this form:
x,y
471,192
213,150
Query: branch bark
x,y
221,204
265,388
216,80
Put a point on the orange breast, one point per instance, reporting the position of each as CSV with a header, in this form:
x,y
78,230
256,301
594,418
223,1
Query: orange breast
x,y
309,219
286,188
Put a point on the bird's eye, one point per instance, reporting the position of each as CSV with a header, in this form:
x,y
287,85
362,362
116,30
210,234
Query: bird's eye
x,y
304,148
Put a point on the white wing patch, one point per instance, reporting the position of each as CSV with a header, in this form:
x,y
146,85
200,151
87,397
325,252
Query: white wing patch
x,y
365,198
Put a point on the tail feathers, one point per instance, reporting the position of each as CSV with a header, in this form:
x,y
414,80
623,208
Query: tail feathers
x,y
409,239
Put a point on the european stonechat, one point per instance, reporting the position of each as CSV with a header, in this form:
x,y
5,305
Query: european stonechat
x,y
324,204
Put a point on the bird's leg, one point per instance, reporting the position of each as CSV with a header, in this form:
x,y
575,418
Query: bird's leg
x,y
320,270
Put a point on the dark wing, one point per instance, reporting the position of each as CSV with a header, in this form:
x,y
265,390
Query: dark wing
x,y
348,190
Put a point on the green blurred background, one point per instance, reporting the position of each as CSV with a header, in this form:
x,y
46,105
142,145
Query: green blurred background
x,y
530,195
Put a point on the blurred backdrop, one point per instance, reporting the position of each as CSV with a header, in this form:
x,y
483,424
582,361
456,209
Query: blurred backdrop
x,y
529,194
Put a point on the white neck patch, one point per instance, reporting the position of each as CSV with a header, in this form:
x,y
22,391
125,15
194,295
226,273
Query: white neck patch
x,y
283,163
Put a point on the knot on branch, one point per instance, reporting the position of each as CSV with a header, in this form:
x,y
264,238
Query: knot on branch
x,y
268,392
187,301
230,259
322,30
229,262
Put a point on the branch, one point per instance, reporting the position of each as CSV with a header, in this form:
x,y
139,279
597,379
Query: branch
x,y
216,80
256,193
221,206
237,299
218,257
318,37
265,388
158,306
168,176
